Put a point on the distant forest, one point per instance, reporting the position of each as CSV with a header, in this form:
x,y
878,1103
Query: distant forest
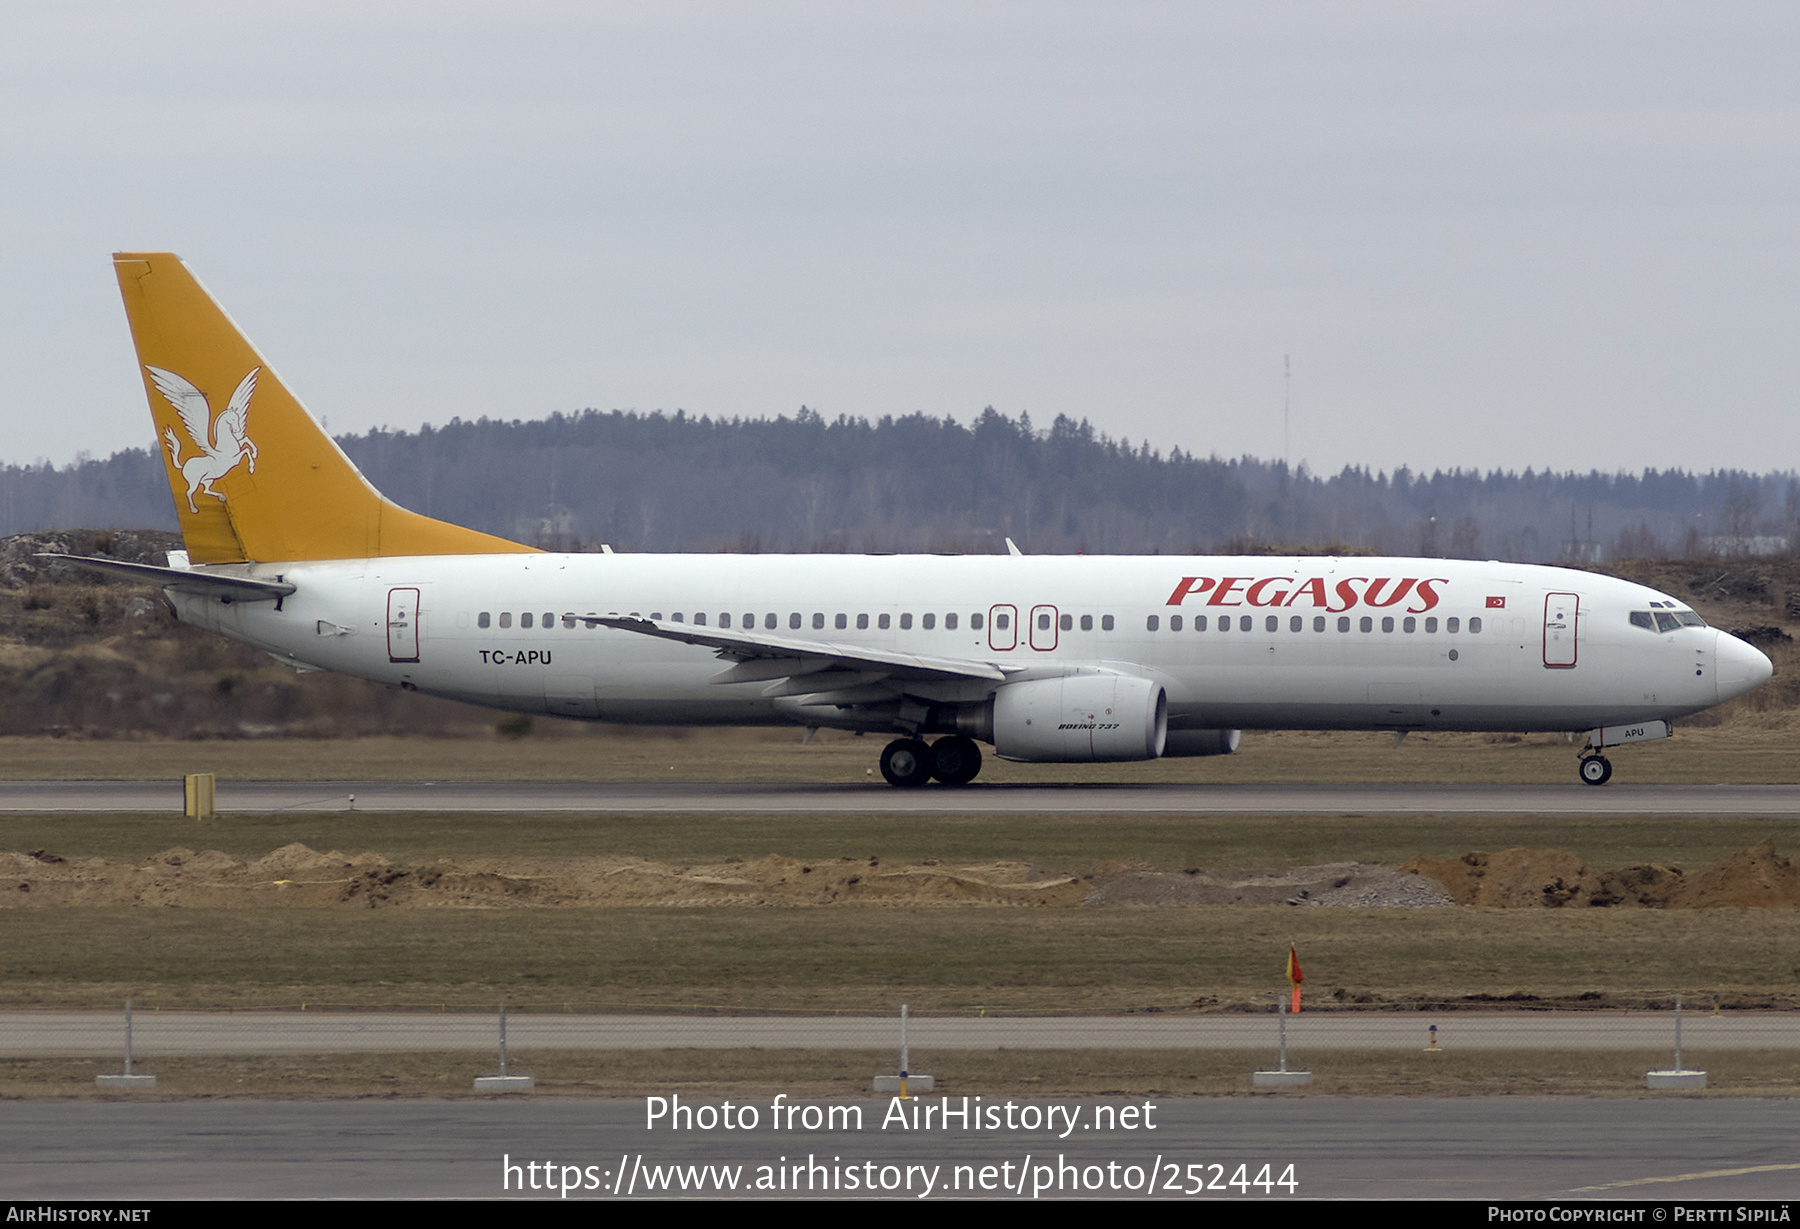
x,y
670,482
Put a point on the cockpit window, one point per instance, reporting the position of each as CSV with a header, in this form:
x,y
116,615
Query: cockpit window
x,y
1666,618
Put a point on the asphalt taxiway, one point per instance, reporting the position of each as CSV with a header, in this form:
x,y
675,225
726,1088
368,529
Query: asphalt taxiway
x,y
683,797
1566,1150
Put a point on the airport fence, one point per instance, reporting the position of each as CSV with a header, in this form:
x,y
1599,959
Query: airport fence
x,y
418,1050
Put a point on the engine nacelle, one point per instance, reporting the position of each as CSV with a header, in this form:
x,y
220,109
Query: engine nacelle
x,y
1083,717
1201,742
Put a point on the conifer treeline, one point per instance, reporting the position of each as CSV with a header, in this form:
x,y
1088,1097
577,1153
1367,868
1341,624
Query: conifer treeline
x,y
671,482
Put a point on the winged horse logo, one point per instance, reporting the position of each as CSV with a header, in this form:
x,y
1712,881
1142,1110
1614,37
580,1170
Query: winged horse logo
x,y
223,441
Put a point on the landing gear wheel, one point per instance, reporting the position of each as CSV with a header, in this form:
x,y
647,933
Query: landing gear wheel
x,y
1596,770
955,760
906,762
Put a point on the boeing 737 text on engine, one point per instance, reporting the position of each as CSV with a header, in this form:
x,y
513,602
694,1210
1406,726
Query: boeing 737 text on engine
x,y
1044,658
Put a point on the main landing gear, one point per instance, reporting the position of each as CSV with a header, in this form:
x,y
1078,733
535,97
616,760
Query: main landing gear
x,y
1595,769
908,761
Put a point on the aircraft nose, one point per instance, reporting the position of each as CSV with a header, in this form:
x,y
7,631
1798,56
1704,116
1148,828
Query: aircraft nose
x,y
1740,666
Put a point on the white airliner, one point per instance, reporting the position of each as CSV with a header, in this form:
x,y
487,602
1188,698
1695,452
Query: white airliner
x,y
1045,658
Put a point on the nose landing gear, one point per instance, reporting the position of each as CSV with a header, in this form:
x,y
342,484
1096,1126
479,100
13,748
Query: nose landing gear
x,y
1595,770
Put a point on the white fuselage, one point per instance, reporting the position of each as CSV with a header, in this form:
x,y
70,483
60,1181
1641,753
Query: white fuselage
x,y
1308,643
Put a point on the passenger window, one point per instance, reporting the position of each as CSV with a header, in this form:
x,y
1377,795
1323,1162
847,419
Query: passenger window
x,y
1367,624
906,622
950,621
1452,626
1272,623
975,621
1318,623
771,621
1043,622
1410,624
862,622
481,620
1002,622
882,621
1387,624
1639,618
569,620
699,618
1106,623
549,619
1344,623
1087,623
724,620
1199,623
1244,623
818,621
794,621
1066,622
1150,624
1430,626
1296,623
1224,623
1174,623
1475,626
525,619
841,622
928,621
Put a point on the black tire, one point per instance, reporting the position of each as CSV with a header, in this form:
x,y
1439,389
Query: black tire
x,y
1596,770
906,762
955,760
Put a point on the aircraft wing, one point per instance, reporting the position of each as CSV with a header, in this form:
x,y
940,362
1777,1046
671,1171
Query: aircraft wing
x,y
762,656
206,584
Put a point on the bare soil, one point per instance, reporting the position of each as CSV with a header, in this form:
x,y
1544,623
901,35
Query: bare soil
x,y
297,877
1757,878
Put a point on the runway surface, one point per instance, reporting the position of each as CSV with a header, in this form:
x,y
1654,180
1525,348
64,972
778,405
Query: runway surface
x,y
1567,1150
81,1034
524,796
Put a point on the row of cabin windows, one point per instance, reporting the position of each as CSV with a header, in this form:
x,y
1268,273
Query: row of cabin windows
x,y
1003,622
484,619
796,621
1297,623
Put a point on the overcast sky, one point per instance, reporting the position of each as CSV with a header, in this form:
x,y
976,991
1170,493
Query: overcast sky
x,y
1490,235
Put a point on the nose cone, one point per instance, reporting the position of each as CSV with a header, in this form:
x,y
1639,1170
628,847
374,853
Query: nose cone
x,y
1740,667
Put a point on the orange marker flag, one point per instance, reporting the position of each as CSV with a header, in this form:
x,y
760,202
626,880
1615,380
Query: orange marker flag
x,y
1294,975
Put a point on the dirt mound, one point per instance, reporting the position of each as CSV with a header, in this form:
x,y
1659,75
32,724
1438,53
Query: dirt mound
x,y
1339,884
296,876
1556,878
1758,878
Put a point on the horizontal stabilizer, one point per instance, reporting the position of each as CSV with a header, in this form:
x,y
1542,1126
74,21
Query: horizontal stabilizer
x,y
181,580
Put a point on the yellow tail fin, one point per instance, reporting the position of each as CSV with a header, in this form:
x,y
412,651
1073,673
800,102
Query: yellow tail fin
x,y
256,479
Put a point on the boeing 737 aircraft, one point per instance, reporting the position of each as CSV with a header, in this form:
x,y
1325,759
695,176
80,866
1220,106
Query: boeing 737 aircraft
x,y
1050,659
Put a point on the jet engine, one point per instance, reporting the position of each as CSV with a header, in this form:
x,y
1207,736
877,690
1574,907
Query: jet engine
x,y
1080,717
